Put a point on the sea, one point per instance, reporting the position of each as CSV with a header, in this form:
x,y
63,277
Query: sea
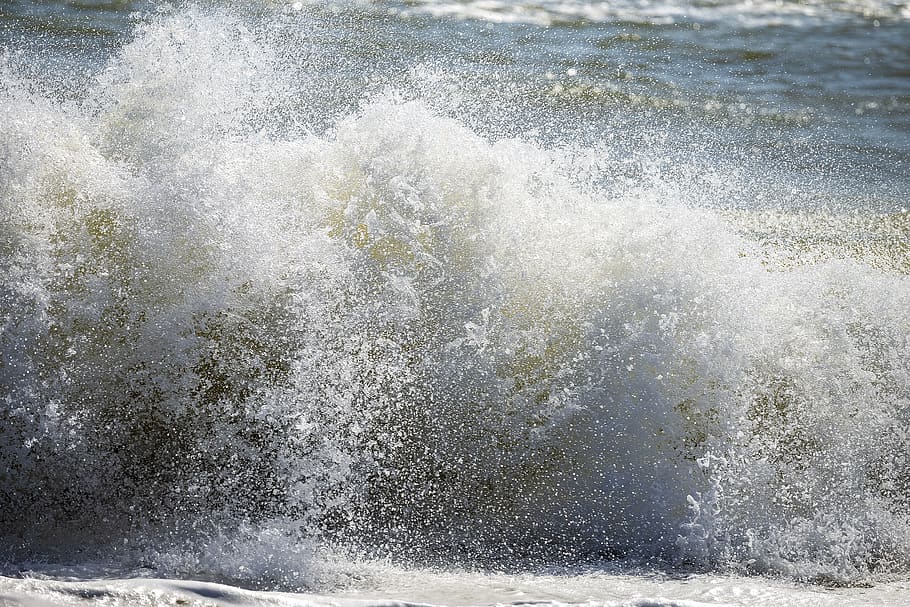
x,y
455,302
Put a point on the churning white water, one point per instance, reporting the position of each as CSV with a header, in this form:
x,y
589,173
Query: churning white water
x,y
235,342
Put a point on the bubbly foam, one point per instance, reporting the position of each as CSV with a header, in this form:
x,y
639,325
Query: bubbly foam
x,y
663,12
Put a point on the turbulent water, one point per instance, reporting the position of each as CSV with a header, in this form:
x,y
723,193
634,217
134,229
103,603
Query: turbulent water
x,y
495,285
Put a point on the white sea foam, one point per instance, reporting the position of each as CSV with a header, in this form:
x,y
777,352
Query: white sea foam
x,y
401,588
661,12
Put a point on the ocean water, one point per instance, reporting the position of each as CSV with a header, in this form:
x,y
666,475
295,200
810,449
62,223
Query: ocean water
x,y
470,302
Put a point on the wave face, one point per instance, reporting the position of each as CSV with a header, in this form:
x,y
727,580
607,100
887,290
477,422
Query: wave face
x,y
224,325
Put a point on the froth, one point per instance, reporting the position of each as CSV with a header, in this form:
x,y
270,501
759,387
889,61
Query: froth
x,y
747,14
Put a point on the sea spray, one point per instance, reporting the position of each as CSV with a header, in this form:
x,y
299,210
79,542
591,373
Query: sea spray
x,y
405,338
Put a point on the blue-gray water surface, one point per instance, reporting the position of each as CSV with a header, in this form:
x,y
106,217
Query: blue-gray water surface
x,y
817,92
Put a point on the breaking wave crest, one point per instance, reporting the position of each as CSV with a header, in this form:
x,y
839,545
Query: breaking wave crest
x,y
406,338
662,12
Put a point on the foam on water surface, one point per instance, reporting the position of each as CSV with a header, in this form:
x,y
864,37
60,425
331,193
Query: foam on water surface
x,y
457,589
745,14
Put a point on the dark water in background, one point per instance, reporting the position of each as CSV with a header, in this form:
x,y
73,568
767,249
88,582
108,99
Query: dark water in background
x,y
459,282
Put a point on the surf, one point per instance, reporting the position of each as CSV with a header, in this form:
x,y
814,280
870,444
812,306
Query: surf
x,y
230,330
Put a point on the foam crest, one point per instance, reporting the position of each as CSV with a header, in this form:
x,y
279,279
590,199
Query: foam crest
x,y
646,12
